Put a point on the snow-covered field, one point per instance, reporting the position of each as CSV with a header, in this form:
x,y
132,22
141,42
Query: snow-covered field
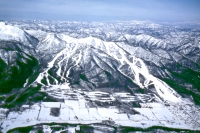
x,y
74,112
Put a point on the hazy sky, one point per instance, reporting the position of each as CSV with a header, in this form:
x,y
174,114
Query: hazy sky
x,y
101,10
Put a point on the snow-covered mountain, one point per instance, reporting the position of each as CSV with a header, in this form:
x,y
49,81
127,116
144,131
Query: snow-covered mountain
x,y
123,68
93,64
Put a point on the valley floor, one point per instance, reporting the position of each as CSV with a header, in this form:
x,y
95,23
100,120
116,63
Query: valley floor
x,y
77,112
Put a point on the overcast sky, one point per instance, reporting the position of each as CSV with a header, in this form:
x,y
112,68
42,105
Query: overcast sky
x,y
101,10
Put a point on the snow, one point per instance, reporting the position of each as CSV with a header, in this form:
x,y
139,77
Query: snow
x,y
107,113
25,84
25,106
72,130
9,33
72,112
113,50
51,104
77,52
3,113
47,129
